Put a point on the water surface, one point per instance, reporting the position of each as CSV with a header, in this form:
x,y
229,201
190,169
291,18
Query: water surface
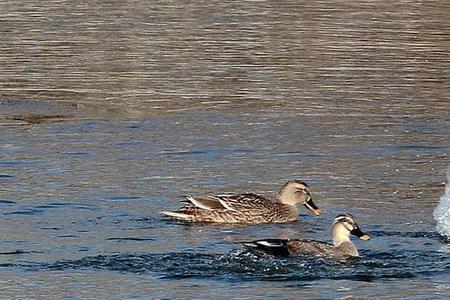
x,y
110,112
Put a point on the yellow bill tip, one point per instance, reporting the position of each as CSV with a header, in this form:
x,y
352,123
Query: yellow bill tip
x,y
365,237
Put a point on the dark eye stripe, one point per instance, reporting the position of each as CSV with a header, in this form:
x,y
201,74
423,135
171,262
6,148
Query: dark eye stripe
x,y
346,226
350,226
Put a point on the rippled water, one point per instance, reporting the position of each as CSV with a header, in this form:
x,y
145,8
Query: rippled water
x,y
110,112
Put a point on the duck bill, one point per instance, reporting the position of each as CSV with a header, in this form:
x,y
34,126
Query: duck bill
x,y
312,207
357,232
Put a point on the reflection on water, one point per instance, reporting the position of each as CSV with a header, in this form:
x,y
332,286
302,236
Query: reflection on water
x,y
110,112
169,55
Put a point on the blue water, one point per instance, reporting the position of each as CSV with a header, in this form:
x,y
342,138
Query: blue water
x,y
112,112
80,205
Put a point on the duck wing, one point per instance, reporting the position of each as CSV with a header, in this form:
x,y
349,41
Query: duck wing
x,y
206,202
246,201
298,247
239,202
276,247
290,247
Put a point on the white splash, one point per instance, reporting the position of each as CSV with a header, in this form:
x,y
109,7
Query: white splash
x,y
442,211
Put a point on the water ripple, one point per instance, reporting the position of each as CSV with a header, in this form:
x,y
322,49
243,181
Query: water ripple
x,y
244,265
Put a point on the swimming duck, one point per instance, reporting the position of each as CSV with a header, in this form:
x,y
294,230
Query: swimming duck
x,y
248,208
342,247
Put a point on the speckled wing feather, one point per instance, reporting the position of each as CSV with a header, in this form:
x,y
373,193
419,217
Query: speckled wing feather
x,y
256,208
239,208
246,201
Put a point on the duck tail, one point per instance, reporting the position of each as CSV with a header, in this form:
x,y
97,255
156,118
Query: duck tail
x,y
178,215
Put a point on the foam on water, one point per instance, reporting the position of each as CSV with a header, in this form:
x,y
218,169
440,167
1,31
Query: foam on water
x,y
442,211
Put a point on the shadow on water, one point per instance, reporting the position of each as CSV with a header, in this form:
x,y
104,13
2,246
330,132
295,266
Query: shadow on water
x,y
25,112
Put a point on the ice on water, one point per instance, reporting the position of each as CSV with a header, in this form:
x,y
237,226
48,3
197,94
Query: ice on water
x,y
442,211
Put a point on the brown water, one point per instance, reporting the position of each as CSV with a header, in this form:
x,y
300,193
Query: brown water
x,y
110,111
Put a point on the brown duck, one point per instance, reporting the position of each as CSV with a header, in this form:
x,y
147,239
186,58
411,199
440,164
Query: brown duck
x,y
342,247
248,208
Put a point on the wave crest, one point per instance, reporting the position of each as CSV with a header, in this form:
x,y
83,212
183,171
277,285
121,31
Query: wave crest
x,y
442,211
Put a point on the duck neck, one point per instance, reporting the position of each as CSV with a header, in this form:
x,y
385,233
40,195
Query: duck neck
x,y
347,248
340,235
338,240
294,211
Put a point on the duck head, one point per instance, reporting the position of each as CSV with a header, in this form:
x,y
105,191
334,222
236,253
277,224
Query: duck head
x,y
343,226
296,192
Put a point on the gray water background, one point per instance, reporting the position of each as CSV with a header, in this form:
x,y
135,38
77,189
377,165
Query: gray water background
x,y
110,111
